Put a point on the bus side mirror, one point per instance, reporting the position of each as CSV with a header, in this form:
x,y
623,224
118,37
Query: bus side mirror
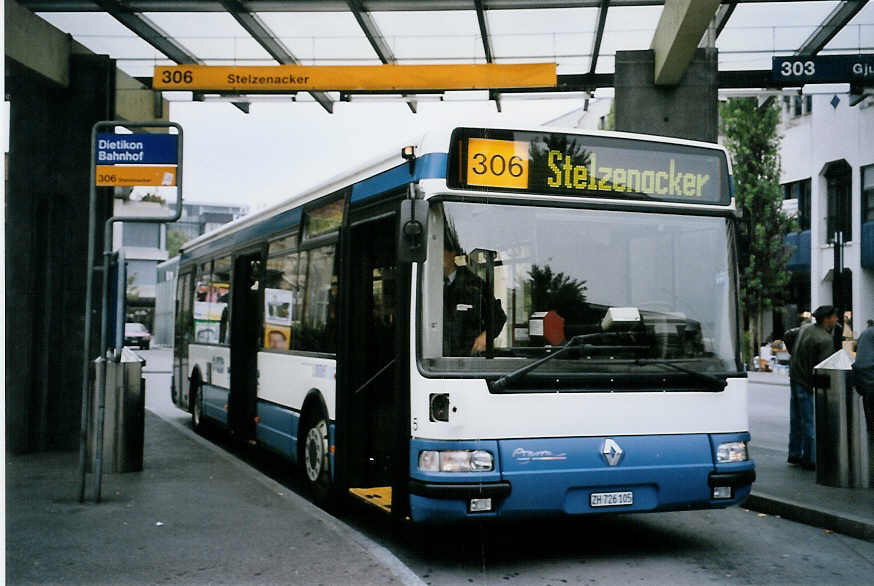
x,y
413,231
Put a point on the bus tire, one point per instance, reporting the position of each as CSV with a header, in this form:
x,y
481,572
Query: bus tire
x,y
195,397
315,462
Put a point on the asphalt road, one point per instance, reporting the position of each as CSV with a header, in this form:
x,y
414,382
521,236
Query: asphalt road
x,y
732,546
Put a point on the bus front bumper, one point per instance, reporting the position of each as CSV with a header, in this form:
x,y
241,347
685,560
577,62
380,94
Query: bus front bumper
x,y
571,476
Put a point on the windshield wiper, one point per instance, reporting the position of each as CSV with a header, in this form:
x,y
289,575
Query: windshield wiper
x,y
721,382
505,380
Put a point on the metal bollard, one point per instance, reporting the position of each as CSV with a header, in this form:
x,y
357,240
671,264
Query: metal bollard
x,y
116,425
842,443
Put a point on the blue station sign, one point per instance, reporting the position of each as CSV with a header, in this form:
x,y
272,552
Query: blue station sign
x,y
823,69
136,149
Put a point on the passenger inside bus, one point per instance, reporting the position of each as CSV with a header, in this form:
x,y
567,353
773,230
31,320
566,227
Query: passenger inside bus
x,y
465,304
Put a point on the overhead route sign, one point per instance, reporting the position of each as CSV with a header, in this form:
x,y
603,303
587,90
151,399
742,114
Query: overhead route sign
x,y
125,160
823,69
283,78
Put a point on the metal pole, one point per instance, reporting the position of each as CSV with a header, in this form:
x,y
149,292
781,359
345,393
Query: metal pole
x,y
100,384
86,355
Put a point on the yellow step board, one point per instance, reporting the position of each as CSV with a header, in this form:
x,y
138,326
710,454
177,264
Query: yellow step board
x,y
378,496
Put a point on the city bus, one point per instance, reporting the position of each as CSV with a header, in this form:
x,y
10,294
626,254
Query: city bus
x,y
486,323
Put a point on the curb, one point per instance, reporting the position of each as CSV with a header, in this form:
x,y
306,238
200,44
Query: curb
x,y
845,524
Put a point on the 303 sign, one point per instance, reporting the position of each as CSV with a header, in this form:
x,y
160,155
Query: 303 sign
x,y
797,68
823,69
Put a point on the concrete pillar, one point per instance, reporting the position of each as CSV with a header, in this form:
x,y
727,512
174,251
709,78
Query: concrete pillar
x,y
46,246
686,110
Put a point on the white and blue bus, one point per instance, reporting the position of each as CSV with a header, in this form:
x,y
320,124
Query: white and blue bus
x,y
490,323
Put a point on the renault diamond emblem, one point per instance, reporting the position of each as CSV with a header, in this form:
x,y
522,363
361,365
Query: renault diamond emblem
x,y
611,452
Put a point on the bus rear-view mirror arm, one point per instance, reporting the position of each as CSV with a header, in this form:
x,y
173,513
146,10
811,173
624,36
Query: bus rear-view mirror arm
x,y
413,232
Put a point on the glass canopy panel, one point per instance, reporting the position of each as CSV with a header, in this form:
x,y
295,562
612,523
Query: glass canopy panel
x,y
757,32
432,37
322,38
858,35
102,34
627,29
563,36
210,35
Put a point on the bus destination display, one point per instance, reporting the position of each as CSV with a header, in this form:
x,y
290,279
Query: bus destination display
x,y
565,164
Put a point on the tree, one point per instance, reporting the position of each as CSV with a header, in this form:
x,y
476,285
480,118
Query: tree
x,y
559,292
175,240
750,133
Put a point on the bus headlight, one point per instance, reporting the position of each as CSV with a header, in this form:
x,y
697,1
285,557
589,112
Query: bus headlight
x,y
732,452
456,461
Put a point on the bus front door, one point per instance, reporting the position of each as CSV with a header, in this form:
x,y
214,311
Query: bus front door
x,y
371,361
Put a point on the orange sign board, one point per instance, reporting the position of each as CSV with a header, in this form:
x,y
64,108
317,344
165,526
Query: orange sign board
x,y
497,163
134,175
282,78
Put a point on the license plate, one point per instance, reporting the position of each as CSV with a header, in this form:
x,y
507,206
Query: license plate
x,y
611,499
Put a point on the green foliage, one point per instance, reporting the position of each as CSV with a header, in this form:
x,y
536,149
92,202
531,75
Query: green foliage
x,y
175,240
750,134
557,291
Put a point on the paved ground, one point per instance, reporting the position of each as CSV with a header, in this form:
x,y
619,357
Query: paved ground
x,y
198,514
194,515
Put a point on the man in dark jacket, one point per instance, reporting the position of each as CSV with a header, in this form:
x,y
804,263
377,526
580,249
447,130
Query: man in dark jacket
x,y
466,307
863,375
814,344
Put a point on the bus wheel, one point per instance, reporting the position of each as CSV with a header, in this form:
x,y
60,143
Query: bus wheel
x,y
196,397
316,468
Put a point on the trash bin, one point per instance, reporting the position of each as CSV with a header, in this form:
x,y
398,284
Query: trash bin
x,y
842,444
124,413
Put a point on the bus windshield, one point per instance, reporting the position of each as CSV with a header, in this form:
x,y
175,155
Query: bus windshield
x,y
505,284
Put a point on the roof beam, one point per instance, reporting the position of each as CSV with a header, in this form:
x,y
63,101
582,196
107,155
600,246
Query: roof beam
x,y
601,20
340,5
149,32
834,22
479,5
375,37
484,30
259,31
722,15
680,28
371,31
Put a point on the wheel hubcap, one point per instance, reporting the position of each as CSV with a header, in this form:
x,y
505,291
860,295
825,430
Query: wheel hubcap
x,y
316,450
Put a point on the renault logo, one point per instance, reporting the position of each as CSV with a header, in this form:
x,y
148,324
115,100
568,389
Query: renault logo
x,y
611,452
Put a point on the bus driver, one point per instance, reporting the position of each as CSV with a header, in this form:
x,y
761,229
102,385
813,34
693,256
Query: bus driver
x,y
465,304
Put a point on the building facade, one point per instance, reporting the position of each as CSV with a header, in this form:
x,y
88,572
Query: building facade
x,y
827,174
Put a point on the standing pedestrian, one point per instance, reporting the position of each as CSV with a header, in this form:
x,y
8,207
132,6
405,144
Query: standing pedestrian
x,y
814,344
863,374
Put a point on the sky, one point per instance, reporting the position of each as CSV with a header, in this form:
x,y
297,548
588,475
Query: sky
x,y
280,148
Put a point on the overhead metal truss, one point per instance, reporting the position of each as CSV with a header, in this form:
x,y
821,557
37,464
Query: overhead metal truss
x,y
130,14
342,5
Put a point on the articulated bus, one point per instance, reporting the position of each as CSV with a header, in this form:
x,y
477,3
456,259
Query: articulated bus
x,y
489,323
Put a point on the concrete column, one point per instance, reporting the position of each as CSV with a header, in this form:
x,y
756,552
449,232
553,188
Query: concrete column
x,y
46,246
686,110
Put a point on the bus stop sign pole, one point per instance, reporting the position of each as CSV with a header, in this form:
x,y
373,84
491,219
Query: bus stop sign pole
x,y
121,160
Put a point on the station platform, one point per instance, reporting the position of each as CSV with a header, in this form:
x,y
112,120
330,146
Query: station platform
x,y
195,514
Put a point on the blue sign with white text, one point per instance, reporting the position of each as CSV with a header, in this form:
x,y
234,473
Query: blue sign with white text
x,y
136,149
823,69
